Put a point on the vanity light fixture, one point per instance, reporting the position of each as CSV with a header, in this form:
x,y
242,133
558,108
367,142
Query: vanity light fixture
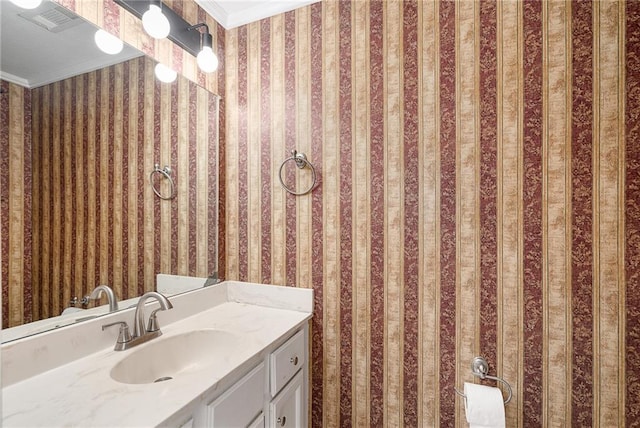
x,y
179,31
165,74
108,43
27,4
155,23
207,59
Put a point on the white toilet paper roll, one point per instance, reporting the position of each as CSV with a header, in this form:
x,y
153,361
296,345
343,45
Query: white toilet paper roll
x,y
484,406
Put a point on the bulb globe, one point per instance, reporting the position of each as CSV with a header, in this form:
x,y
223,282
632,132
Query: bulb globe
x,y
27,4
165,74
108,43
155,23
207,60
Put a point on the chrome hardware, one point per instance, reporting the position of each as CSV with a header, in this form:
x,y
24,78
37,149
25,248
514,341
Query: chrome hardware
x,y
281,420
212,279
294,360
74,301
140,335
97,293
301,162
124,336
165,173
480,368
152,325
138,327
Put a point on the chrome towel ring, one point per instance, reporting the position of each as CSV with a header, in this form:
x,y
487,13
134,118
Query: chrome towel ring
x,y
480,368
165,173
301,162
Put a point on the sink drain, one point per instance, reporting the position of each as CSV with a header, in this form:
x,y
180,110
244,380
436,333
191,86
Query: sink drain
x,y
162,379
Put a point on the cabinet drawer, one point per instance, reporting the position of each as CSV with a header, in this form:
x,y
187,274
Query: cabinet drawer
x,y
286,361
286,409
240,404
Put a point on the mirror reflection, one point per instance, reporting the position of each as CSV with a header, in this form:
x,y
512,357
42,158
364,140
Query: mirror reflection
x,y
78,151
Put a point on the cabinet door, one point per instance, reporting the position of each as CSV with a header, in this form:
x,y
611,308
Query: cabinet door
x,y
240,404
187,424
286,408
258,422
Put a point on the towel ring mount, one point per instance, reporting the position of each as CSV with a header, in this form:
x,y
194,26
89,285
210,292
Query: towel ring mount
x,y
480,368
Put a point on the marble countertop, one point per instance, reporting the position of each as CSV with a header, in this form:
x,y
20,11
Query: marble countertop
x,y
80,392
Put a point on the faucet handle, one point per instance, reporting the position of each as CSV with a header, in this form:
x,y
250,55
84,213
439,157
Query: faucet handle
x,y
124,336
153,322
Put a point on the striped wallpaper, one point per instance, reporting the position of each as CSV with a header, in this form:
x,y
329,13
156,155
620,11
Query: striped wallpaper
x,y
15,203
478,186
477,194
94,218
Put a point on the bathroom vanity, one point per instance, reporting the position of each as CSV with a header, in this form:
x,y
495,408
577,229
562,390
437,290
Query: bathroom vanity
x,y
233,354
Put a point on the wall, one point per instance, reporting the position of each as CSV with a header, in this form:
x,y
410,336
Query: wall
x,y
478,174
15,203
94,218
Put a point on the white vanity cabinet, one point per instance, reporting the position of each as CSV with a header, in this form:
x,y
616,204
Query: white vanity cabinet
x,y
271,394
258,422
240,405
288,373
288,408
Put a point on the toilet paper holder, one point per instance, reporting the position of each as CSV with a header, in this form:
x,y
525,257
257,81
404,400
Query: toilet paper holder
x,y
480,368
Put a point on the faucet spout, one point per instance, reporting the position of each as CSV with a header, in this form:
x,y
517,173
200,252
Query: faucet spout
x,y
138,327
99,290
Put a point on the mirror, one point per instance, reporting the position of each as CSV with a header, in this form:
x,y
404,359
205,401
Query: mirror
x,y
77,155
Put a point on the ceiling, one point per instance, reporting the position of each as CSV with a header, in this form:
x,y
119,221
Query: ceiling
x,y
59,45
234,13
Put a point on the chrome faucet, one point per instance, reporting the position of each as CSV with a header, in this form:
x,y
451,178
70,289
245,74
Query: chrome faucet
x,y
140,334
97,293
138,327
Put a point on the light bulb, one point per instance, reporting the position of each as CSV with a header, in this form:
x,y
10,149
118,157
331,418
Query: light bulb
x,y
155,23
165,74
207,60
27,4
108,43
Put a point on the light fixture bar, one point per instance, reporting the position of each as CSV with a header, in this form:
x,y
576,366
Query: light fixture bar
x,y
179,34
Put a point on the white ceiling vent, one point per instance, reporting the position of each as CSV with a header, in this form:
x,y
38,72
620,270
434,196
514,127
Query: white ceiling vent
x,y
51,17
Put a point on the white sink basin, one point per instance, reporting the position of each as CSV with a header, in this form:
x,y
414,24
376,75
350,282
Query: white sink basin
x,y
166,358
